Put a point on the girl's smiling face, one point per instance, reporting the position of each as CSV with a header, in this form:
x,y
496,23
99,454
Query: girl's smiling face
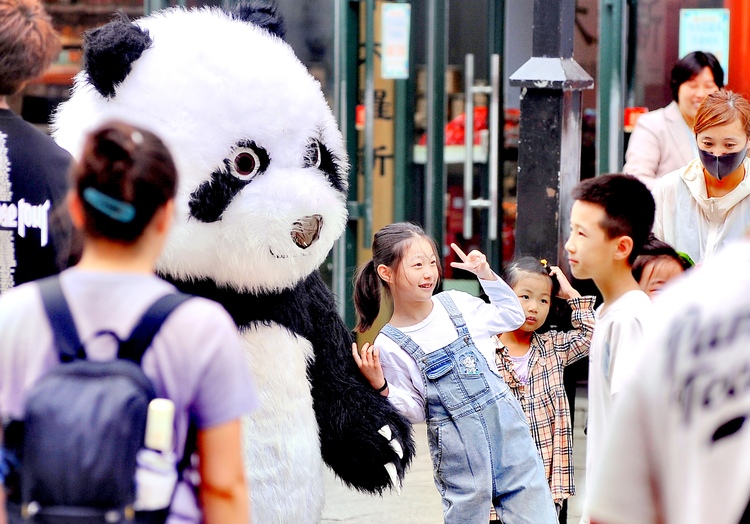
x,y
535,294
417,274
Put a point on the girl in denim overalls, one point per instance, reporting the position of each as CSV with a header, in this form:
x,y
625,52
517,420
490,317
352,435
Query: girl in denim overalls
x,y
437,365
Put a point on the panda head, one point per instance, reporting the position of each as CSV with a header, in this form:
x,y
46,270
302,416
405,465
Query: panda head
x,y
262,166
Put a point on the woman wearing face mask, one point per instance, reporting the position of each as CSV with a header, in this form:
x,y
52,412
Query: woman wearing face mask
x,y
663,140
706,204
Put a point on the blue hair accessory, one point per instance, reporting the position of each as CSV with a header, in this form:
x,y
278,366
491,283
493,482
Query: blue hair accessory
x,y
115,209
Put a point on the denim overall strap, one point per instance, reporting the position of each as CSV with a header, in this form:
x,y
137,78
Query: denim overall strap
x,y
456,317
404,341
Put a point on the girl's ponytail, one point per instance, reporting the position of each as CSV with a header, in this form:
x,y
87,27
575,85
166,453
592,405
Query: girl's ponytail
x,y
367,289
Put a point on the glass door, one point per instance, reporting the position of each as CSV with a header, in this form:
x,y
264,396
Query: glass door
x,y
459,147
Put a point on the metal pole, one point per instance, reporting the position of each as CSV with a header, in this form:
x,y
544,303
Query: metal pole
x,y
369,152
550,134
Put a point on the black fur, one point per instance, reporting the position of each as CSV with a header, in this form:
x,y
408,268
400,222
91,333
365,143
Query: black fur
x,y
262,13
211,198
109,51
208,202
349,412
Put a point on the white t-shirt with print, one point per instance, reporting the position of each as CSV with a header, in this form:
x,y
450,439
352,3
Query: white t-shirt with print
x,y
680,441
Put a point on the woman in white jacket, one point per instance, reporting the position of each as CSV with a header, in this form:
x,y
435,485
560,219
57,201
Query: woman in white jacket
x,y
704,205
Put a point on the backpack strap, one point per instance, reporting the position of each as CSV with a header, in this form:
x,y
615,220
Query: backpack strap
x,y
63,326
140,338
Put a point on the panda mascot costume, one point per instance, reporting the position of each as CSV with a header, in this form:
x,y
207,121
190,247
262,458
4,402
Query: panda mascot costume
x,y
261,201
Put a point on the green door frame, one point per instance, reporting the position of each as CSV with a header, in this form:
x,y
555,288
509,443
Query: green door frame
x,y
435,173
346,80
346,45
616,71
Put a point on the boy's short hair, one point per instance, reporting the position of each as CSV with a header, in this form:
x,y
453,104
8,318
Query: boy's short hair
x,y
28,43
628,205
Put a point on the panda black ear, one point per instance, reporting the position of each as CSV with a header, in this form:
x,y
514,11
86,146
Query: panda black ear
x,y
262,13
108,52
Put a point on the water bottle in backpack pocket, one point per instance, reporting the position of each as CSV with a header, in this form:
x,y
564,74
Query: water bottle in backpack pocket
x,y
156,472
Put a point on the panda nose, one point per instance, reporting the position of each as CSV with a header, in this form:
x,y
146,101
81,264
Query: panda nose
x,y
306,230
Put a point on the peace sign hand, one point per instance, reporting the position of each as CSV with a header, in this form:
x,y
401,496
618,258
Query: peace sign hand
x,y
475,262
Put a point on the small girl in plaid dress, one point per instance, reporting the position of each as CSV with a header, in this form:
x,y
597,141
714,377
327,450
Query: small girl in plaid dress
x,y
532,364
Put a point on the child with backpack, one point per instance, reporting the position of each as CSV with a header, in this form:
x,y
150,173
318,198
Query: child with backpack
x,y
532,363
109,325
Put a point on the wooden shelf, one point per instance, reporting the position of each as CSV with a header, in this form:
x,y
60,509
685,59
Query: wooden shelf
x,y
453,154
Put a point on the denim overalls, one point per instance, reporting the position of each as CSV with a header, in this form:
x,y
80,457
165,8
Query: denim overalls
x,y
481,446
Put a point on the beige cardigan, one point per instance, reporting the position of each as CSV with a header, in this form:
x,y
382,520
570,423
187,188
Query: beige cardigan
x,y
661,143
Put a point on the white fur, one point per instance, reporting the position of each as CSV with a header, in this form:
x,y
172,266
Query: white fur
x,y
282,451
206,83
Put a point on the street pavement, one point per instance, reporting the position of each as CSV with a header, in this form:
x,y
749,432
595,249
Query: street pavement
x,y
419,501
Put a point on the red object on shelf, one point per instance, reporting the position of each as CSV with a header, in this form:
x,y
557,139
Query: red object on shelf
x,y
631,115
455,132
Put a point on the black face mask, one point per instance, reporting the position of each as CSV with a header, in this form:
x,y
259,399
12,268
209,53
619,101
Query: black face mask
x,y
721,166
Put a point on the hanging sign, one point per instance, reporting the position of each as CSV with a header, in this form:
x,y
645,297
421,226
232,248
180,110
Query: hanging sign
x,y
395,29
706,30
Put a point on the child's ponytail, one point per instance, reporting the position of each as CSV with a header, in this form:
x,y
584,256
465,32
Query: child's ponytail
x,y
367,289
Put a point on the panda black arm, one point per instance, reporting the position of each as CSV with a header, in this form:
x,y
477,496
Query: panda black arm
x,y
349,411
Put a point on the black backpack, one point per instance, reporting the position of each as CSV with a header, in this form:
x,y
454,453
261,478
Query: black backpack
x,y
84,423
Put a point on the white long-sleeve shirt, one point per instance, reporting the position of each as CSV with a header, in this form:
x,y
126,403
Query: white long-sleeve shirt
x,y
407,390
691,221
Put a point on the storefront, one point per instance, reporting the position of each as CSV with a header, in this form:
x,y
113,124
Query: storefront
x,y
412,157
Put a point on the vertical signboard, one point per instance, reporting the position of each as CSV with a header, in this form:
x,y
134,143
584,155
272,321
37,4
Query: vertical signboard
x,y
706,30
395,27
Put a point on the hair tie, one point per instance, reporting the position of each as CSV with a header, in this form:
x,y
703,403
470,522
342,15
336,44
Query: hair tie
x,y
686,259
115,209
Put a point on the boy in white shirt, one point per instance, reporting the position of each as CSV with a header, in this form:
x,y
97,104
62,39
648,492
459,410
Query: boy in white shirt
x,y
609,223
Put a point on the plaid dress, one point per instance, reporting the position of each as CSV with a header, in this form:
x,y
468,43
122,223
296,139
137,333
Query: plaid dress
x,y
543,396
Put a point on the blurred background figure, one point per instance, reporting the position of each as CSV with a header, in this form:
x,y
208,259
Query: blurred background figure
x,y
33,169
663,140
705,205
657,264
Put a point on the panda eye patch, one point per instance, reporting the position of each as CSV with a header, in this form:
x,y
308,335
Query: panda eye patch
x,y
313,157
319,157
245,161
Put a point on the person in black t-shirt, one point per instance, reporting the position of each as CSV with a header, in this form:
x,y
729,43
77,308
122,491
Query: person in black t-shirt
x,y
35,236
